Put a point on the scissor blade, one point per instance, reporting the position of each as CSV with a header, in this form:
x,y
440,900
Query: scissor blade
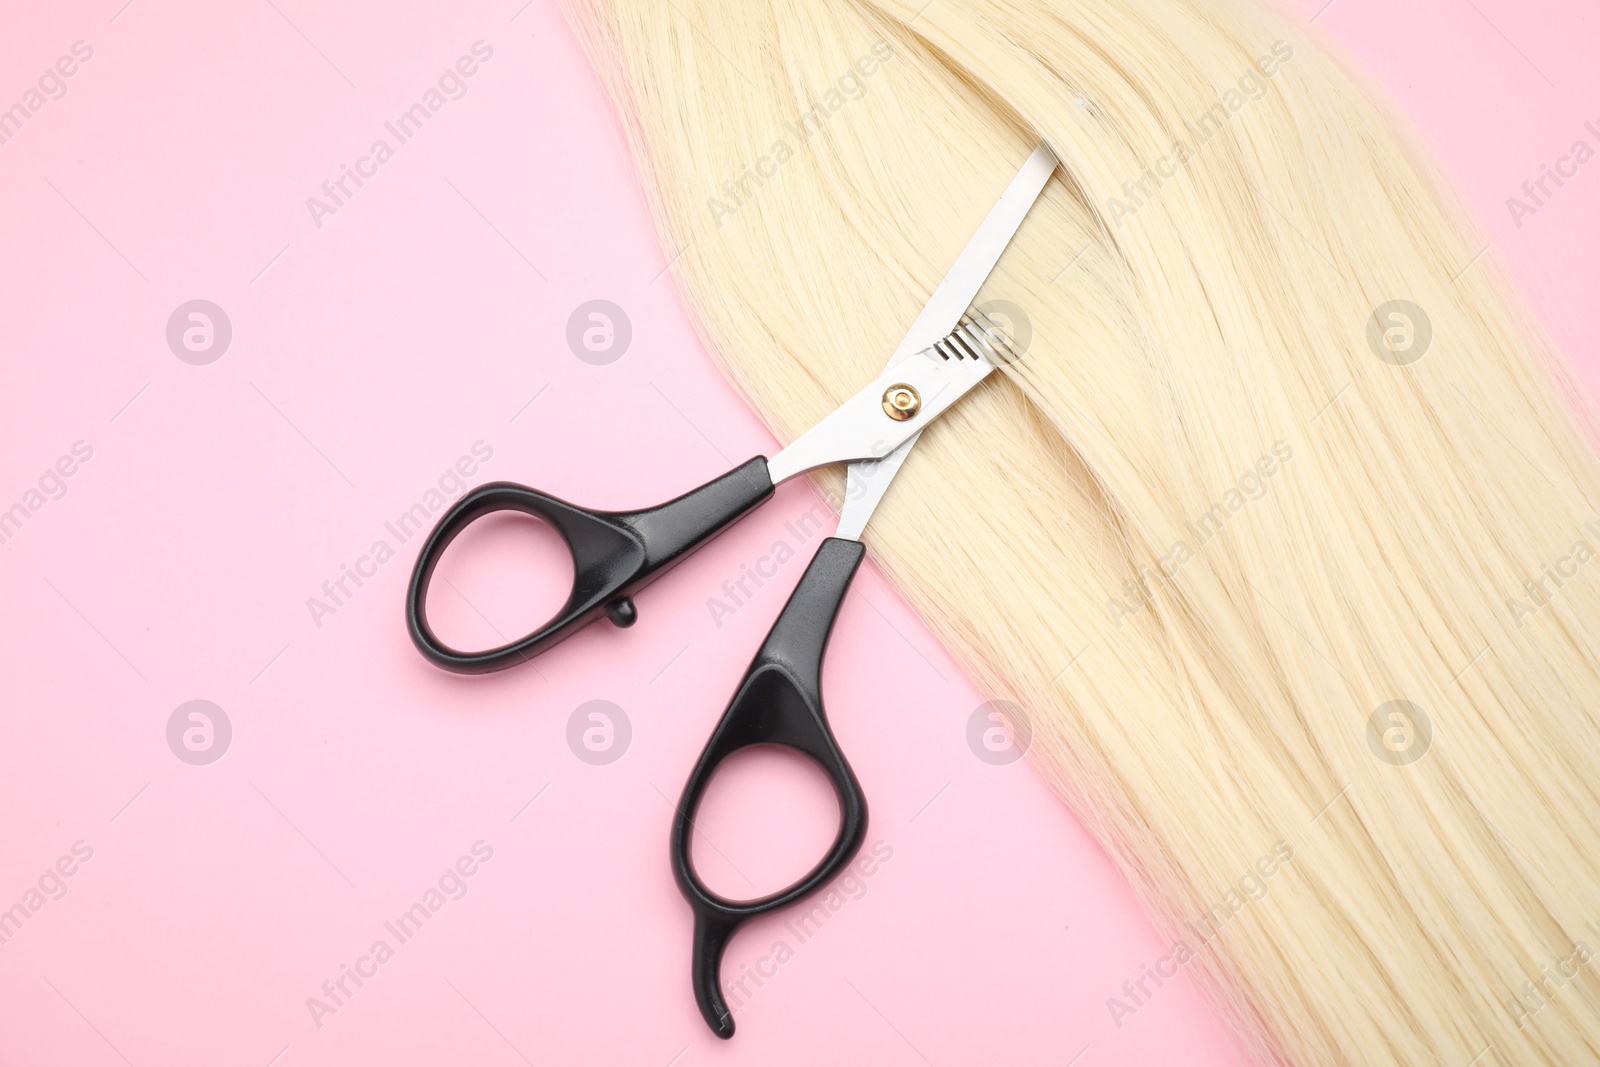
x,y
976,261
859,430
868,480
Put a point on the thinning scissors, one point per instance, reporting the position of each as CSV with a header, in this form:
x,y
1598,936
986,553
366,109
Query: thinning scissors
x,y
946,352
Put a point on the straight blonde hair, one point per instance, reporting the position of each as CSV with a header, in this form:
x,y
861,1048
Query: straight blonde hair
x,y
1280,531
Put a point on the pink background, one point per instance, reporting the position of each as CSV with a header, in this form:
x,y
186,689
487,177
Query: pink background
x,y
368,355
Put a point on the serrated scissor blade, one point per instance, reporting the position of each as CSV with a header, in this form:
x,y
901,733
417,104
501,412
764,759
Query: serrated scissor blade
x,y
869,478
858,428
976,261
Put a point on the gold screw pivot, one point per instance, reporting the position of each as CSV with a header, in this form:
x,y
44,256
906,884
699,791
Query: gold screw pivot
x,y
901,402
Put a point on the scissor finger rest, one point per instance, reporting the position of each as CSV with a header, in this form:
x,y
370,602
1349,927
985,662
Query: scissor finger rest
x,y
614,553
778,702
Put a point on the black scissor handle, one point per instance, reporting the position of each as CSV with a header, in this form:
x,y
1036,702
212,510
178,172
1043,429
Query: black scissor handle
x,y
614,553
778,702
